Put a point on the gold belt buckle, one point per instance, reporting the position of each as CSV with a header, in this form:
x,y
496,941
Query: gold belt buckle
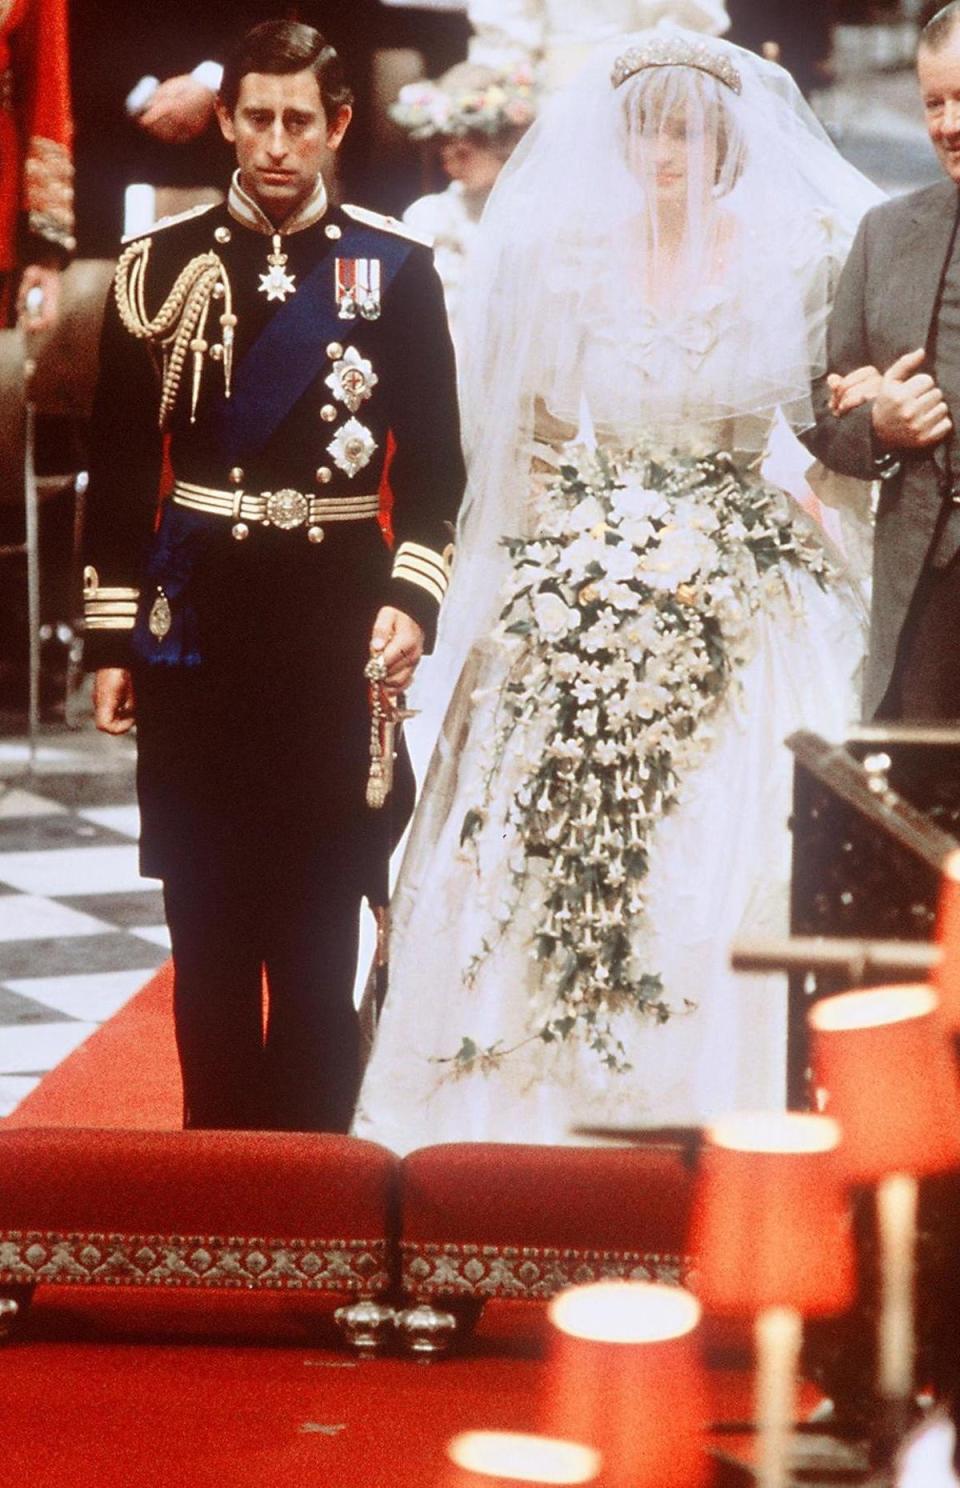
x,y
286,509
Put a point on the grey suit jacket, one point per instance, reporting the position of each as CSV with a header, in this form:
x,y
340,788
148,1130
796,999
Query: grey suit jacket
x,y
885,302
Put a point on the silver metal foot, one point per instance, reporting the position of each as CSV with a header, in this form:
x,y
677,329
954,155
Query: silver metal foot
x,y
367,1326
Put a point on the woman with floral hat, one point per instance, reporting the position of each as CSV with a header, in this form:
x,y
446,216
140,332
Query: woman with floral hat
x,y
474,117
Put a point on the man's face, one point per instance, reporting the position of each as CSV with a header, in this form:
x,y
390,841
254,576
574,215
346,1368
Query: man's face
x,y
939,74
282,138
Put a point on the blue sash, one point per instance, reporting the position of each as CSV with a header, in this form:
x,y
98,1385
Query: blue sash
x,y
291,350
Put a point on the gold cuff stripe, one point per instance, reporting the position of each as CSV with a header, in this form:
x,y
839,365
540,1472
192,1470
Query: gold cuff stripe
x,y
425,555
416,576
109,622
429,571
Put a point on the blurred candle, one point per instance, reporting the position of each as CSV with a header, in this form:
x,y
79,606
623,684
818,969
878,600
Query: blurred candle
x,y
883,1066
771,1232
897,1221
508,1459
626,1377
779,1332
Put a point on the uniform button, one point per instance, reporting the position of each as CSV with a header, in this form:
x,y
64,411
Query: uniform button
x,y
332,231
239,531
324,475
315,534
328,413
222,234
236,476
334,351
218,291
216,353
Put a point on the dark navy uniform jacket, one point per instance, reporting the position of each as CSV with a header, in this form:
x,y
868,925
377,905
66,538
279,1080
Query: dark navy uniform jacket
x,y
252,709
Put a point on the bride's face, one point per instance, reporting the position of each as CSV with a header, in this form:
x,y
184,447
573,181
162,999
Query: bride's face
x,y
674,155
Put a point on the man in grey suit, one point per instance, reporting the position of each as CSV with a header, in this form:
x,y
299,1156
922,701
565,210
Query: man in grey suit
x,y
891,408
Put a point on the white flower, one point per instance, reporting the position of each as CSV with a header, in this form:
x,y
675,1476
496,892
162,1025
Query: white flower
x,y
640,631
565,665
585,515
553,616
620,562
581,553
682,553
588,720
637,531
605,752
637,500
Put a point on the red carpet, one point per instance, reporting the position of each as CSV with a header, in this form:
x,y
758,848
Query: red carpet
x,y
118,1388
101,1394
124,1075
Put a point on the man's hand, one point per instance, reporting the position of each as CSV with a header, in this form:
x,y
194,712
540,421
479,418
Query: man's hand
x,y
400,641
857,387
113,706
180,110
909,411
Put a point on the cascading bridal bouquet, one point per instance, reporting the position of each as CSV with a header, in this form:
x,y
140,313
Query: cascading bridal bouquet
x,y
627,615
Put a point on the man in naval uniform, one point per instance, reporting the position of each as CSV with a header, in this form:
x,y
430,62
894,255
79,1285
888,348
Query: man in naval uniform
x,y
276,466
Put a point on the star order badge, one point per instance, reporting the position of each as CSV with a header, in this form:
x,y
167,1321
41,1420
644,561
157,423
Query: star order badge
x,y
358,288
276,283
352,447
352,379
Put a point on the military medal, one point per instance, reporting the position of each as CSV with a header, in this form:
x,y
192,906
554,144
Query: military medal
x,y
276,284
358,288
352,447
160,618
352,379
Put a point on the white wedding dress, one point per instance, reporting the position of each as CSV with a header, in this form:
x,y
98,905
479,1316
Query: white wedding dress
x,y
719,868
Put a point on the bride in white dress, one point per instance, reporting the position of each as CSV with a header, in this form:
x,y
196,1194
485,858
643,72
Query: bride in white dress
x,y
636,619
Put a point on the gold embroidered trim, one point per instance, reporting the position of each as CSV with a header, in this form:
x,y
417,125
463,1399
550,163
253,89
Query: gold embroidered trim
x,y
530,1272
48,191
180,324
29,1257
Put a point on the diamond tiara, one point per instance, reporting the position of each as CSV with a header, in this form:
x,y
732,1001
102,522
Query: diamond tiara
x,y
675,51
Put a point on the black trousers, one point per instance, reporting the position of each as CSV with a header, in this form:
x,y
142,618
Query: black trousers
x,y
925,686
296,918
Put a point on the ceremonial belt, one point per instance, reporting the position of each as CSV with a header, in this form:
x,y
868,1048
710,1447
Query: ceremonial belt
x,y
286,509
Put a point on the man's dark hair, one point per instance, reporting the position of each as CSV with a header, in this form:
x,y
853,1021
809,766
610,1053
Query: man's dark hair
x,y
285,47
940,27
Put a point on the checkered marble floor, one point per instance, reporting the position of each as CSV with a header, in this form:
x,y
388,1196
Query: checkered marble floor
x,y
80,930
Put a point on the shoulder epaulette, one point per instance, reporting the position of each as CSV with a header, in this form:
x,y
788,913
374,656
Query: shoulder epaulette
x,y
148,232
386,224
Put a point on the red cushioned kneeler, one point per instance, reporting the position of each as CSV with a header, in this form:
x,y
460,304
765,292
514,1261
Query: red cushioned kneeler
x,y
502,1220
261,1210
